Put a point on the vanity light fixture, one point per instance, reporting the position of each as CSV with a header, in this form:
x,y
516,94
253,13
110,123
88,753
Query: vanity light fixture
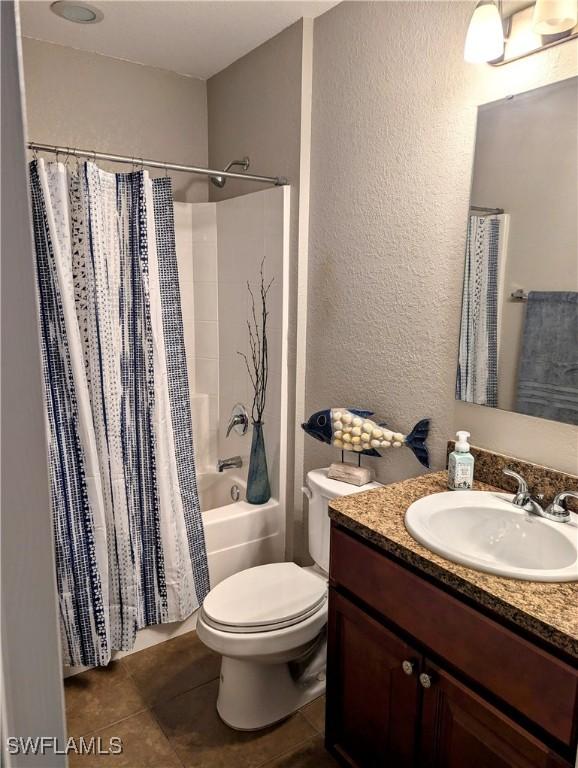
x,y
80,13
554,16
497,41
485,37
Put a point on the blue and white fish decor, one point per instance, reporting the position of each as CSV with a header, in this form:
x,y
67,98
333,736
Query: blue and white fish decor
x,y
351,429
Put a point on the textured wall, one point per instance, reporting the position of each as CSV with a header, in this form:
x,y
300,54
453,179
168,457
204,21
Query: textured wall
x,y
394,114
81,99
392,134
254,109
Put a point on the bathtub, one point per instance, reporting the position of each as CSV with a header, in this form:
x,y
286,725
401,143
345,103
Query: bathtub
x,y
238,535
216,488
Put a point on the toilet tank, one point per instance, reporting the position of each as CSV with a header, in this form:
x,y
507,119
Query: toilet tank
x,y
320,490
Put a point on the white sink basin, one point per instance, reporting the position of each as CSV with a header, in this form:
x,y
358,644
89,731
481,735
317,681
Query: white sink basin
x,y
485,531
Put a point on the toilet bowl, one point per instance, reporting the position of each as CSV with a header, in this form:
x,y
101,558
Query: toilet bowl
x,y
269,625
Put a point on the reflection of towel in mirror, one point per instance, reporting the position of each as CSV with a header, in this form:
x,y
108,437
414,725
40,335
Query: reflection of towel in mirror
x,y
548,372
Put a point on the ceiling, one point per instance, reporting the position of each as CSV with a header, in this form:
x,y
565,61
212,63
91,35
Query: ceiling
x,y
194,37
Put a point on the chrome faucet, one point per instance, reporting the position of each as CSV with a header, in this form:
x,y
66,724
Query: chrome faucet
x,y
239,418
524,499
234,462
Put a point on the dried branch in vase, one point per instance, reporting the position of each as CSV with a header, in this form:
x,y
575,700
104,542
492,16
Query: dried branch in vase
x,y
258,360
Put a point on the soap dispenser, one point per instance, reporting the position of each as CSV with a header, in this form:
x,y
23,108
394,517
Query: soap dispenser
x,y
461,465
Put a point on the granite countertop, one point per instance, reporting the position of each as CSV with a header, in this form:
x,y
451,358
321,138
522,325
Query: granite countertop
x,y
547,610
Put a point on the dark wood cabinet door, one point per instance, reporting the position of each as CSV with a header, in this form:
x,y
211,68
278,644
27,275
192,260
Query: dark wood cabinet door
x,y
373,704
460,729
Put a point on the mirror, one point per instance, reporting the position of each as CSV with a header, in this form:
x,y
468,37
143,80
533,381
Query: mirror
x,y
518,345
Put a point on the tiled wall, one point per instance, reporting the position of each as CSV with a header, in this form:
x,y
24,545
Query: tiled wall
x,y
196,239
249,228
206,321
216,305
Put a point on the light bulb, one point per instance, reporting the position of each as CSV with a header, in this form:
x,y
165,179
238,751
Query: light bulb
x,y
554,16
485,38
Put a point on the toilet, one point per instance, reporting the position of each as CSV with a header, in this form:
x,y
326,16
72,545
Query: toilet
x,y
269,625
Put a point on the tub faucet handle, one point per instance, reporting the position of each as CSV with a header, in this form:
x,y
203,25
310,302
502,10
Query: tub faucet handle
x,y
239,420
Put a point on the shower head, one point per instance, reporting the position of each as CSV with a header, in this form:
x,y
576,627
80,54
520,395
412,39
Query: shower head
x,y
220,181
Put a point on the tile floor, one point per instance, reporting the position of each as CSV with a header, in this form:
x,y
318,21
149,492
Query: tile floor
x,y
161,703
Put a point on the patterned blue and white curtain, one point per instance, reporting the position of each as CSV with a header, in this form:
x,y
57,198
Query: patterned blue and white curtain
x,y
128,532
477,377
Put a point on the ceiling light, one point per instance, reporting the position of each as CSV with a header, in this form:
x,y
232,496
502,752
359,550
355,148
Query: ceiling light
x,y
554,16
485,38
81,13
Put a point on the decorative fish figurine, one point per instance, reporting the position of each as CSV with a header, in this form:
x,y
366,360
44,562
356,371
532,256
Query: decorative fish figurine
x,y
351,429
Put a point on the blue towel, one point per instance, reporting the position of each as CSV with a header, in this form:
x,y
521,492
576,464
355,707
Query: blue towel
x,y
548,374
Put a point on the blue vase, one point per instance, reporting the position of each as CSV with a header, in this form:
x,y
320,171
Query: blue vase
x,y
258,488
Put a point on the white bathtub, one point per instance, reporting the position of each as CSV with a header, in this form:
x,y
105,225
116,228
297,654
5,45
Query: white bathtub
x,y
238,535
215,488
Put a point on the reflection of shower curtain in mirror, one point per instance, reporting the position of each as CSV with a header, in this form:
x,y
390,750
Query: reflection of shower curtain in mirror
x,y
477,377
128,534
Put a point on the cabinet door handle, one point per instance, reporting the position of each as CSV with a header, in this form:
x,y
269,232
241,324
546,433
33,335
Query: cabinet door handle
x,y
408,667
426,680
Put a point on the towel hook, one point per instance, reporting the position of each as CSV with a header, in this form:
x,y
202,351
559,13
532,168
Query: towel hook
x,y
519,295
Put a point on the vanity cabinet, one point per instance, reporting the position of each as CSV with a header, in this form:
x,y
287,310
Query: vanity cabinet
x,y
416,677
374,704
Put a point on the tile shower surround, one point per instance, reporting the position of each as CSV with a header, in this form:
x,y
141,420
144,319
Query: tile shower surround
x,y
250,229
220,247
196,238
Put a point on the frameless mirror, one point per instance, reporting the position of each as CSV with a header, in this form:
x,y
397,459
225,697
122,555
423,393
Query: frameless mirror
x,y
518,345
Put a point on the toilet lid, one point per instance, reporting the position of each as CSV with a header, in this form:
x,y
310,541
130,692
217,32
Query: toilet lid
x,y
268,596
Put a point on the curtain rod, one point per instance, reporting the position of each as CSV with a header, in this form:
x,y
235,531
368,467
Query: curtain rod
x,y
483,209
278,181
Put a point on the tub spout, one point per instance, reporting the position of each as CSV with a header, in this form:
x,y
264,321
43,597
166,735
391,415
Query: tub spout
x,y
234,462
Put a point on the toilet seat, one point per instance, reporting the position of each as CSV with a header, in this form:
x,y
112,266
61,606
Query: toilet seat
x,y
264,598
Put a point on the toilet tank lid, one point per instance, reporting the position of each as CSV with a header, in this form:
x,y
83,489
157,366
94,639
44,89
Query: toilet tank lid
x,y
317,480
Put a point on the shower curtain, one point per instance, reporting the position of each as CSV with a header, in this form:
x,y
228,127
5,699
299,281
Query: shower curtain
x,y
477,377
128,533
